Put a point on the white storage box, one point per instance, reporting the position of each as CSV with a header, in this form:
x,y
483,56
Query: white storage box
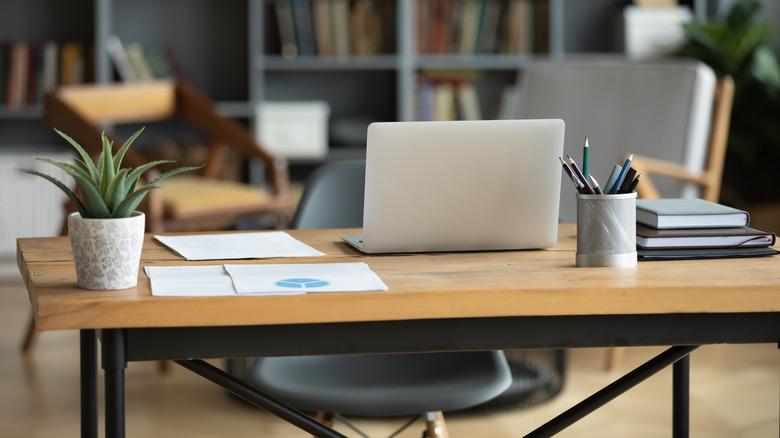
x,y
654,31
297,130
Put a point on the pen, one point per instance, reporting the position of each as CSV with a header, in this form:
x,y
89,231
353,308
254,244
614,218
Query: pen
x,y
595,185
585,150
622,175
632,187
629,178
576,169
577,184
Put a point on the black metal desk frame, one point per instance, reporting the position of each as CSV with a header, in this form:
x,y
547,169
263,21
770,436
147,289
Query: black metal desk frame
x,y
681,331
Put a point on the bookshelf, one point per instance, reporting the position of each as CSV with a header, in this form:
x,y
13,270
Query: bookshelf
x,y
231,50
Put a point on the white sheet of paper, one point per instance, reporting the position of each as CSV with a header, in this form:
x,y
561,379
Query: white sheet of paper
x,y
190,281
238,246
306,277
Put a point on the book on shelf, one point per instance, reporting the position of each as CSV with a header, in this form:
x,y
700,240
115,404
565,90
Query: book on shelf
x,y
304,29
16,87
481,27
116,50
135,62
137,57
333,27
668,213
322,31
449,95
50,69
29,70
366,28
468,102
72,64
34,64
284,18
732,237
340,29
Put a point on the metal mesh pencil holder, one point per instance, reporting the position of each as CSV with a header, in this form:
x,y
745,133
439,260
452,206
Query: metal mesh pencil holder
x,y
606,230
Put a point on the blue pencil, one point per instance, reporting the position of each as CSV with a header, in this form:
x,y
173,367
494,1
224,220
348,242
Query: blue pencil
x,y
613,190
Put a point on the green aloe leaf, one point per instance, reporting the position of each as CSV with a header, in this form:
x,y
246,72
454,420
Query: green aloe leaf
x,y
63,187
106,164
170,173
84,155
71,169
131,202
116,191
128,205
120,155
92,199
144,167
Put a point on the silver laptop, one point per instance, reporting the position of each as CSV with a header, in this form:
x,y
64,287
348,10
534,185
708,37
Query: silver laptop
x,y
461,186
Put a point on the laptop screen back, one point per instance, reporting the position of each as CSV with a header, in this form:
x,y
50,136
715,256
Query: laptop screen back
x,y
462,185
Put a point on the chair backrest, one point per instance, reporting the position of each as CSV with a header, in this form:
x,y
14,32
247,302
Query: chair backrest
x,y
658,109
333,197
81,111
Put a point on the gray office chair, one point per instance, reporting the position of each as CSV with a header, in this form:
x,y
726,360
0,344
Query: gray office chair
x,y
376,385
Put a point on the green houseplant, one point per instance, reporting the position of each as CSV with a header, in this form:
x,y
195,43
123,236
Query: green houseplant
x,y
739,46
106,232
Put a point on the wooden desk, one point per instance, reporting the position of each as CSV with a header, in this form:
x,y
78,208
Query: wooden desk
x,y
436,301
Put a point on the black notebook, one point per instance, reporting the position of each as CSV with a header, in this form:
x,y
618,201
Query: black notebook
x,y
702,253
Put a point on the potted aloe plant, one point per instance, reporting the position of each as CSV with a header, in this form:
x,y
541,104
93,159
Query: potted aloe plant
x,y
106,233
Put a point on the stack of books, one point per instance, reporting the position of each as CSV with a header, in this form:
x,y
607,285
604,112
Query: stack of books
x,y
677,228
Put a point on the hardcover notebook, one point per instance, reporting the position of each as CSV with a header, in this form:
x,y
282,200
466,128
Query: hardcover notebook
x,y
649,238
461,186
688,213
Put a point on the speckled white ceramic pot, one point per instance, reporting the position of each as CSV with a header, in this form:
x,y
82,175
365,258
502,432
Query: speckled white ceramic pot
x,y
107,252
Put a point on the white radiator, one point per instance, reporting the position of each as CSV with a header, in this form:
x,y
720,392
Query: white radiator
x,y
30,206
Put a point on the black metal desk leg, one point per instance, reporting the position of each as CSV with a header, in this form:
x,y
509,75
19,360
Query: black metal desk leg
x,y
611,391
114,361
681,397
88,364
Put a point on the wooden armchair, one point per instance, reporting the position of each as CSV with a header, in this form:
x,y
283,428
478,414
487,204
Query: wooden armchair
x,y
709,178
188,202
672,114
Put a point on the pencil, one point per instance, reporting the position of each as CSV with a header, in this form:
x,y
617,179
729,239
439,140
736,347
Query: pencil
x,y
585,150
595,185
577,184
580,177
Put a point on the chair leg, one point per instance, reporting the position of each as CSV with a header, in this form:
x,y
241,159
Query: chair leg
x,y
614,355
29,337
435,427
325,418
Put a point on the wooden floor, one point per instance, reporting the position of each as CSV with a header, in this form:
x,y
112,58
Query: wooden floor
x,y
735,392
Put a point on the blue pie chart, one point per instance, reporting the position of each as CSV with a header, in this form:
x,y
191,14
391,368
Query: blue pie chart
x,y
302,283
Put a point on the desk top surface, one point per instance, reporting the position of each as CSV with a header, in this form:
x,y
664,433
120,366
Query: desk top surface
x,y
421,286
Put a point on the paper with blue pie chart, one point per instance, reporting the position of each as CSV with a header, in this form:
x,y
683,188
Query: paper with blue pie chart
x,y
291,279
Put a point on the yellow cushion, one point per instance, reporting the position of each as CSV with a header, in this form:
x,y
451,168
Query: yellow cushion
x,y
188,196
